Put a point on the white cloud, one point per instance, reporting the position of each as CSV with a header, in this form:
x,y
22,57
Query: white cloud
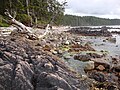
x,y
100,8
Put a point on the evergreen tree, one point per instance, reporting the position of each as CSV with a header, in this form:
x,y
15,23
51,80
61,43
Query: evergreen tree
x,y
41,10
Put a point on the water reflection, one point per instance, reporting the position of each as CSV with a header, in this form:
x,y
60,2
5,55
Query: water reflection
x,y
101,43
117,38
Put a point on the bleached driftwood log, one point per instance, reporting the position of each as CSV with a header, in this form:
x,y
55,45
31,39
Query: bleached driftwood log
x,y
24,29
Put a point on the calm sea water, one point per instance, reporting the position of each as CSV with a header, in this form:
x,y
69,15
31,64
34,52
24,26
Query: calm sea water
x,y
110,47
98,43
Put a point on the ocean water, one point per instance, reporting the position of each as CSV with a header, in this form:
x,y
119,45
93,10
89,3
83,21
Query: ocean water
x,y
100,43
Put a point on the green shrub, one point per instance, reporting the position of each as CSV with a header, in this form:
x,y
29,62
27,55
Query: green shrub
x,y
24,18
2,23
0,18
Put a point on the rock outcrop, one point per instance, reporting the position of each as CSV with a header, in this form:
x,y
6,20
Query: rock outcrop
x,y
24,66
90,31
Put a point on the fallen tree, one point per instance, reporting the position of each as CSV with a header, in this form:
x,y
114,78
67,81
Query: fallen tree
x,y
24,29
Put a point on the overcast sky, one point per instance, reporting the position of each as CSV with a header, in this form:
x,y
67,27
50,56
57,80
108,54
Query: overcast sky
x,y
99,8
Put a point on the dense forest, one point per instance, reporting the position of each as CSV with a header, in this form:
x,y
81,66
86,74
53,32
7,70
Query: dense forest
x,y
73,20
32,12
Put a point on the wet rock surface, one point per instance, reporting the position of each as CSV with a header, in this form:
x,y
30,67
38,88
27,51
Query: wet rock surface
x,y
98,66
115,32
82,57
24,66
50,64
91,32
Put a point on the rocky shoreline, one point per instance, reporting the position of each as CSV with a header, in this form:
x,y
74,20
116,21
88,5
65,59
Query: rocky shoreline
x,y
115,32
60,61
87,31
25,65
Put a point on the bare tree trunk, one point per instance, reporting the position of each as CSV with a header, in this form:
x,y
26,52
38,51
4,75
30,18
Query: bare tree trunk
x,y
34,17
35,20
25,29
28,11
19,24
27,4
10,5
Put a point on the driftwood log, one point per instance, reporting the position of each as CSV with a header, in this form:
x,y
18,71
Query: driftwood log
x,y
24,29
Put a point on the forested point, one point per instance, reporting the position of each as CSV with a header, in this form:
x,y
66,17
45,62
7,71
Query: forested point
x,y
32,12
73,20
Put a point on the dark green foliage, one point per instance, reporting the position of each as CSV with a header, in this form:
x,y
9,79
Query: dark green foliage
x,y
88,20
2,23
24,18
0,18
36,10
